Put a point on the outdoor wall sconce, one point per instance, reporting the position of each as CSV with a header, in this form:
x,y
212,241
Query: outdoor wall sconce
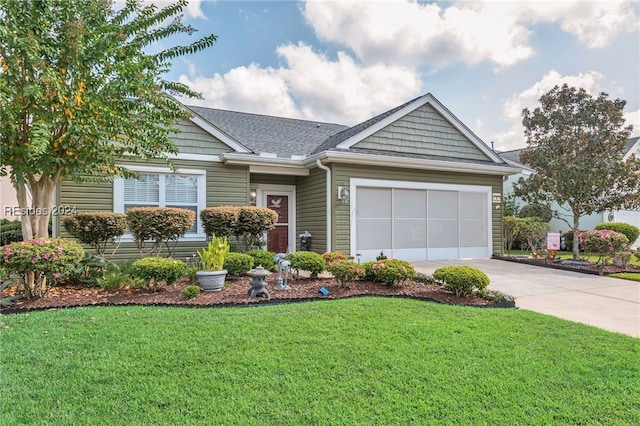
x,y
343,194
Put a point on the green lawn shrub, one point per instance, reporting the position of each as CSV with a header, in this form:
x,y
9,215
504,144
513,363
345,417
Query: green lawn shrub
x,y
155,269
345,271
263,258
246,223
630,231
334,257
389,271
307,261
10,231
114,280
462,280
191,291
50,260
238,263
220,220
96,229
154,226
252,223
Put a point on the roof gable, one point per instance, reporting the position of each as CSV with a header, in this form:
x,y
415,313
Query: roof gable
x,y
421,126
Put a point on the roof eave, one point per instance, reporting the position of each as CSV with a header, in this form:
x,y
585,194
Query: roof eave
x,y
411,163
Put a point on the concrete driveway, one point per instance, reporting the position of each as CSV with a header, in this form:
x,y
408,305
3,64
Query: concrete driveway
x,y
608,303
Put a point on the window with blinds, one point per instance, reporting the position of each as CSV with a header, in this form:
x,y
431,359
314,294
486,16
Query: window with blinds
x,y
163,190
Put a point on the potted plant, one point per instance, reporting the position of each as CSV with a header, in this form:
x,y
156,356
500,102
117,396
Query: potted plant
x,y
211,277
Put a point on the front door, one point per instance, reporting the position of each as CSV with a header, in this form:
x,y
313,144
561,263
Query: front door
x,y
281,238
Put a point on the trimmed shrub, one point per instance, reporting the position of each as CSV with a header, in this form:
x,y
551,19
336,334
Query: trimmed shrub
x,y
630,231
603,242
263,258
307,261
96,228
160,225
462,280
533,231
510,232
238,263
48,260
334,257
389,271
252,223
191,291
540,211
345,271
10,231
155,269
220,220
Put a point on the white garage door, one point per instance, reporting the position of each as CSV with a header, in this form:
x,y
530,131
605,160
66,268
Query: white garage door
x,y
411,221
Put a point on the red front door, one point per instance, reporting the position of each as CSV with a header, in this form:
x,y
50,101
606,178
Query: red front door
x,y
278,238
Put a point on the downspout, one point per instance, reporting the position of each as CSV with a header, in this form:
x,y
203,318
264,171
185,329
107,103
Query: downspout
x,y
328,170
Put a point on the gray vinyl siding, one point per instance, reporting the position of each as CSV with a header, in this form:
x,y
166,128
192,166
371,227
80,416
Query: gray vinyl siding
x,y
423,131
311,208
342,173
193,140
225,186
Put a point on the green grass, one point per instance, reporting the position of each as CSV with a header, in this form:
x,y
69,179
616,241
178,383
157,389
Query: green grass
x,y
631,276
357,361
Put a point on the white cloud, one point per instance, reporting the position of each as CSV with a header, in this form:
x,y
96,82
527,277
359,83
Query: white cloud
x,y
633,118
310,86
594,23
528,98
412,33
421,34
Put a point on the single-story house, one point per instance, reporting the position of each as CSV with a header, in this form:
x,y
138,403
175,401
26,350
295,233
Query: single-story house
x,y
588,222
413,182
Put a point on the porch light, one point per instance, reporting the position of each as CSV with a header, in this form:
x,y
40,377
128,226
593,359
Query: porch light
x,y
343,194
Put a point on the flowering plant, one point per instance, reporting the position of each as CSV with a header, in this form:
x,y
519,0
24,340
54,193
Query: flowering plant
x,y
47,260
603,242
389,271
345,271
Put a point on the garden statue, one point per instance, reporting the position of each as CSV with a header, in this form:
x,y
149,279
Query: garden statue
x,y
283,265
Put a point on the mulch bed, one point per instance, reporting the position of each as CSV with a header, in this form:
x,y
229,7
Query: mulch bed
x,y
235,293
591,268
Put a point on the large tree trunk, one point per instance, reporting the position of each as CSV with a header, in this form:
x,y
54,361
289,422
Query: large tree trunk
x,y
35,215
576,242
35,222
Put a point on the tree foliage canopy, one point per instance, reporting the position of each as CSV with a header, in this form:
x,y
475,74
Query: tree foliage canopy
x,y
575,145
81,87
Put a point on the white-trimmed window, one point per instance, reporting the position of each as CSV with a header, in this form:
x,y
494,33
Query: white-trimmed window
x,y
159,187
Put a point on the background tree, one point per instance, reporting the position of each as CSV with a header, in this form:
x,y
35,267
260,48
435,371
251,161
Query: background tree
x,y
80,89
575,144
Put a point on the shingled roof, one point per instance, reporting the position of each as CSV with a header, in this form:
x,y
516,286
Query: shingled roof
x,y
266,134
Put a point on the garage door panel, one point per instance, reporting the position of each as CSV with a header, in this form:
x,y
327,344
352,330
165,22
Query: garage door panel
x,y
443,233
374,233
374,203
473,233
410,233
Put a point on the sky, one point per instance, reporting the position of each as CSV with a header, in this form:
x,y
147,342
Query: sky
x,y
346,61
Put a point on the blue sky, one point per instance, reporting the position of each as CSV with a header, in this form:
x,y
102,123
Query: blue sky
x,y
344,62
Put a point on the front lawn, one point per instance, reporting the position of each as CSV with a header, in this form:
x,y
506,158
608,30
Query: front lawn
x,y
631,276
351,361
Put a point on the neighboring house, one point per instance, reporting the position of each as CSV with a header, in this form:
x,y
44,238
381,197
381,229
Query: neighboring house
x,y
8,200
413,182
586,222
